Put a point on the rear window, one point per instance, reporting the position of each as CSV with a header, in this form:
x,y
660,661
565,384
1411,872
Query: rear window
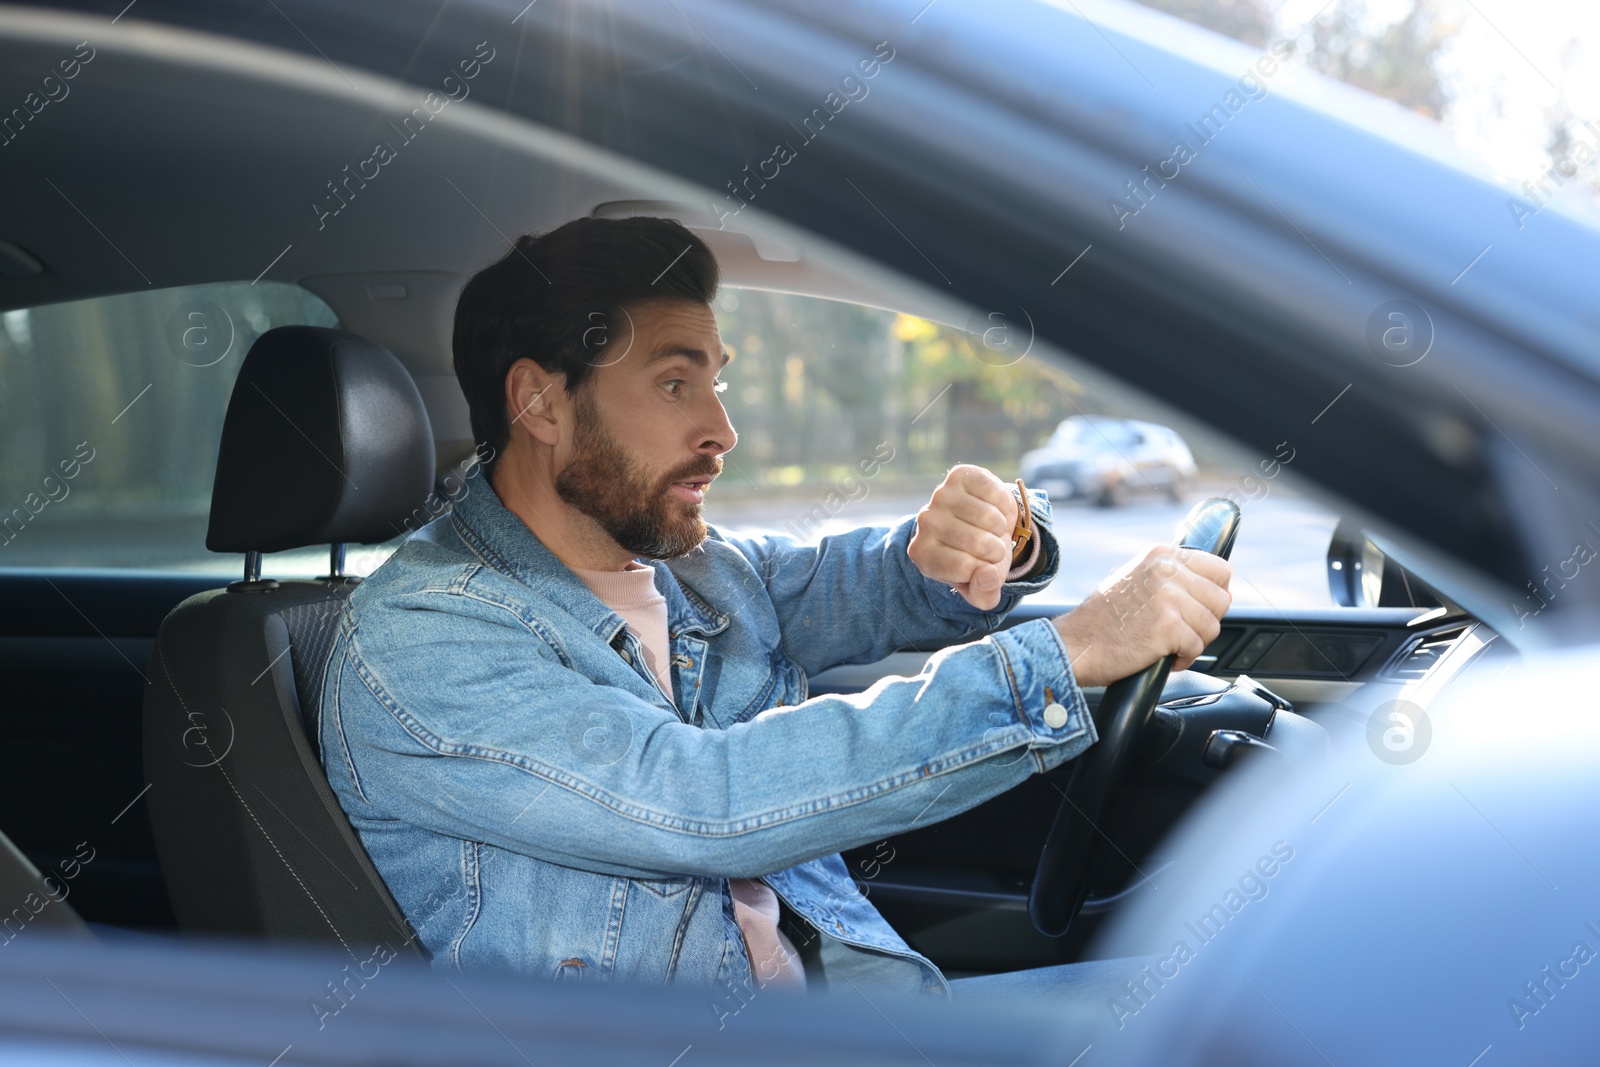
x,y
111,412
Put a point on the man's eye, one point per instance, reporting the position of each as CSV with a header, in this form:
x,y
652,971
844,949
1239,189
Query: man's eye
x,y
674,385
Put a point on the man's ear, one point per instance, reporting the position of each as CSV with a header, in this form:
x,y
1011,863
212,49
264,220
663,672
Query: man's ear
x,y
537,399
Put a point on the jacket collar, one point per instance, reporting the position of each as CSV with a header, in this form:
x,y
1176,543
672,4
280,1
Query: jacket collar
x,y
505,543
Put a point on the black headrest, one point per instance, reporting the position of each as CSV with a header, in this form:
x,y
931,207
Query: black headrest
x,y
326,440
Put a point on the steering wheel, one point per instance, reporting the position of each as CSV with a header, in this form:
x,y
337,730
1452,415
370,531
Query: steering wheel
x,y
1101,774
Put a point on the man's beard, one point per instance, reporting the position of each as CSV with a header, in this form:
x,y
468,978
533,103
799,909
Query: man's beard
x,y
636,509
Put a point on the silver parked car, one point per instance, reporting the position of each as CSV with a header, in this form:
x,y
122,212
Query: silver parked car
x,y
1105,459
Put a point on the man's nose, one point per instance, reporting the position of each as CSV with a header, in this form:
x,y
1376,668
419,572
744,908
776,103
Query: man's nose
x,y
720,434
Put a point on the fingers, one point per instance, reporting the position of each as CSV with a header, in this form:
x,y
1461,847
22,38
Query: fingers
x,y
986,583
1163,601
1176,625
983,592
978,513
977,497
963,535
1200,627
980,483
983,544
1213,568
1210,593
956,566
1186,591
1200,574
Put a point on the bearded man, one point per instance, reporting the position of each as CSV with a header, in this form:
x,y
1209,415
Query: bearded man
x,y
570,721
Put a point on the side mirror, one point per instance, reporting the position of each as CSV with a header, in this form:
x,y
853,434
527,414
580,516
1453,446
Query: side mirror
x,y
1355,567
1361,576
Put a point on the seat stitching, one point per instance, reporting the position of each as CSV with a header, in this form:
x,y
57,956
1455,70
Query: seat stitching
x,y
242,803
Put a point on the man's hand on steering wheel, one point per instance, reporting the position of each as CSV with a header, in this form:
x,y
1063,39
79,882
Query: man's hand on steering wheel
x,y
963,535
1166,600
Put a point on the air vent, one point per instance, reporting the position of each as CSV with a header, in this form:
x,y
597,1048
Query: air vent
x,y
1421,655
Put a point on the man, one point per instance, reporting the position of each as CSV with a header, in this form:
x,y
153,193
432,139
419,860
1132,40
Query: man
x,y
569,720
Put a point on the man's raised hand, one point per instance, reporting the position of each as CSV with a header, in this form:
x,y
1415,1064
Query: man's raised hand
x,y
963,535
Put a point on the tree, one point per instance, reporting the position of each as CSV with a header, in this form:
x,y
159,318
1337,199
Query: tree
x,y
993,402
1396,62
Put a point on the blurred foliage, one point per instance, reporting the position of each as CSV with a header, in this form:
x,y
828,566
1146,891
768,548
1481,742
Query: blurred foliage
x,y
1250,21
1571,139
1397,62
1393,59
816,386
138,385
939,355
143,377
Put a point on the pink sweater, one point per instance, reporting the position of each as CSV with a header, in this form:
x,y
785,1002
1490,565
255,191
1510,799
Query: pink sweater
x,y
632,594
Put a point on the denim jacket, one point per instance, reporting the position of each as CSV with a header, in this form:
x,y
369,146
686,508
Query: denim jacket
x,y
535,802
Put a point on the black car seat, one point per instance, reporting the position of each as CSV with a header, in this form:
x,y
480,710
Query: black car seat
x,y
326,441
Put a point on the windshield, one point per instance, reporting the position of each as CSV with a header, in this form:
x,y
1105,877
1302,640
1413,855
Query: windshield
x,y
850,416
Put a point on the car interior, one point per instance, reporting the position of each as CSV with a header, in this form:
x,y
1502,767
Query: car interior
x,y
162,714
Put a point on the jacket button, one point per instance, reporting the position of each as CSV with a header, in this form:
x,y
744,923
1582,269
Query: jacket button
x,y
1055,716
627,657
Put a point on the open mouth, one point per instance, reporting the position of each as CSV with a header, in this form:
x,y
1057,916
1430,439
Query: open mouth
x,y
693,489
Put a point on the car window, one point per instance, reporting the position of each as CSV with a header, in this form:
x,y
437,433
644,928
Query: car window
x,y
111,413
847,415
851,415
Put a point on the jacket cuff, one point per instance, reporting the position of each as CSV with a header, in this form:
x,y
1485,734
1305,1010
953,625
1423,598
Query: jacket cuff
x,y
1048,699
1027,565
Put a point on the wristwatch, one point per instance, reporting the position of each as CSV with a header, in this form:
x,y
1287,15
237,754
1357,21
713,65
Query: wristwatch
x,y
1024,533
1025,540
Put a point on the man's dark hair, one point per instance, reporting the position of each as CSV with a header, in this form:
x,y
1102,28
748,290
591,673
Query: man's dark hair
x,y
557,298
